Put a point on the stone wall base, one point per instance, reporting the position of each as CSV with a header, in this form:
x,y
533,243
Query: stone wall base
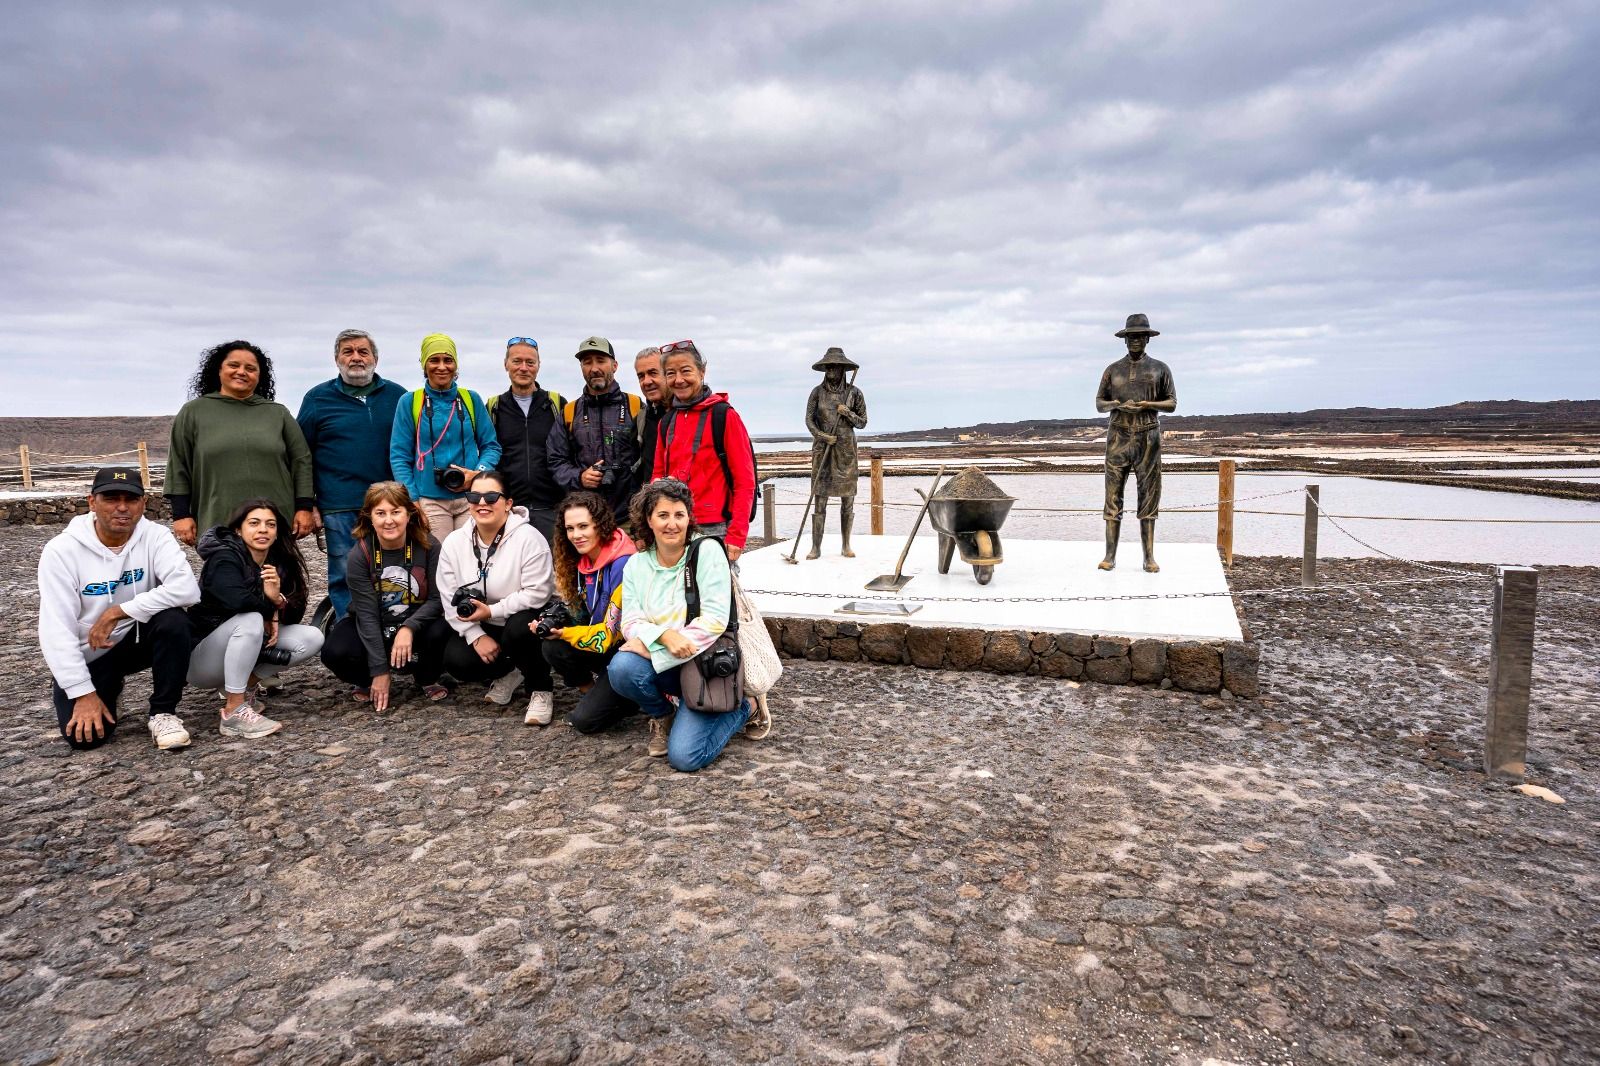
x,y
59,510
1191,665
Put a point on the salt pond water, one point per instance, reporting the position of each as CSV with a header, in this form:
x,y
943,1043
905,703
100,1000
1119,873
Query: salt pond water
x,y
1269,534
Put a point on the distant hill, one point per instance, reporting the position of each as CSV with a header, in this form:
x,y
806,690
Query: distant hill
x,y
103,435
1471,418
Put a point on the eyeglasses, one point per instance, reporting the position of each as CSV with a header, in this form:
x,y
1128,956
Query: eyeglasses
x,y
529,341
679,346
491,498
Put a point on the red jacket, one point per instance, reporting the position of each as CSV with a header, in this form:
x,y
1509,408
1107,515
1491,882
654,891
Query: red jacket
x,y
714,500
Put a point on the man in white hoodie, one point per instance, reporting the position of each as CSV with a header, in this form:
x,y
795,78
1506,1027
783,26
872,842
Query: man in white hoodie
x,y
112,589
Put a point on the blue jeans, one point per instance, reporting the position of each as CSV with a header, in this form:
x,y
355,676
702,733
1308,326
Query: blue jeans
x,y
697,738
337,529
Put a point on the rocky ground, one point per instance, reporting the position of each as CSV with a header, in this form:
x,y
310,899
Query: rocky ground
x,y
915,867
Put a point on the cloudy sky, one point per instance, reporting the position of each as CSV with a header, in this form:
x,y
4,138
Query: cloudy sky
x,y
1318,204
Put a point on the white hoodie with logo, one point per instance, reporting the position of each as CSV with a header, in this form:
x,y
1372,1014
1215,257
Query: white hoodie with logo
x,y
79,578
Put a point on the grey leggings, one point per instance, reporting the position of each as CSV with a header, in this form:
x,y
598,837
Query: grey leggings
x,y
229,654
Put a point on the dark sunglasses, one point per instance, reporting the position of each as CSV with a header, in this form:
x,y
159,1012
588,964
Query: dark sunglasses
x,y
529,341
679,346
491,498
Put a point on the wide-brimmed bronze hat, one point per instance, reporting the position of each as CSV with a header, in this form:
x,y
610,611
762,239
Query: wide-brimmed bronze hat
x,y
835,357
1138,324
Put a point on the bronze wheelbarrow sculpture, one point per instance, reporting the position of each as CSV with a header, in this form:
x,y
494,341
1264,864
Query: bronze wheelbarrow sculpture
x,y
968,513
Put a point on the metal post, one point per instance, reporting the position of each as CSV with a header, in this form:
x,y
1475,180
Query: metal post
x,y
1505,730
1225,512
769,512
144,466
1308,558
877,495
27,467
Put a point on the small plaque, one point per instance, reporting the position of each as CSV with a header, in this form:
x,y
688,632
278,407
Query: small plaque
x,y
900,610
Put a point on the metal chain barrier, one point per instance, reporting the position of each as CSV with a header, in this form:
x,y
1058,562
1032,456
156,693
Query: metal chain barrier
x,y
1374,548
1284,590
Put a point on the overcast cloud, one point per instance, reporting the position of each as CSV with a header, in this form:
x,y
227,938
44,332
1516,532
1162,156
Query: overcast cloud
x,y
1318,204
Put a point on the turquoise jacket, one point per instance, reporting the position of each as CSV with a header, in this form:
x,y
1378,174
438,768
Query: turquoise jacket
x,y
449,435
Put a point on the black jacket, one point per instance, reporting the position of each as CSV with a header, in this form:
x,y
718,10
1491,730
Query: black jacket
x,y
230,584
522,449
652,425
603,427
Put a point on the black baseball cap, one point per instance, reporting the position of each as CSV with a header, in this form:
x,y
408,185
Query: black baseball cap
x,y
117,479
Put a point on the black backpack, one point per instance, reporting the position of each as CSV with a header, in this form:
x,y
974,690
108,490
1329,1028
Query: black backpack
x,y
719,433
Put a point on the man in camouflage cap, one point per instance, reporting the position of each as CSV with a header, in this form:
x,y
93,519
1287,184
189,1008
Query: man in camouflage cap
x,y
834,411
1134,390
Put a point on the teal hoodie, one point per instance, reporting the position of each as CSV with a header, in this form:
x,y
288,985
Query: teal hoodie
x,y
653,602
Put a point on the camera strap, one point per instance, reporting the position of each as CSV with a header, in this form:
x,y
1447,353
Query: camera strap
x,y
484,560
691,586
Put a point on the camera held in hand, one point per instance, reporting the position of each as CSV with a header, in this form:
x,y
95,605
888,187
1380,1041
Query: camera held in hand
x,y
554,616
274,655
462,600
450,479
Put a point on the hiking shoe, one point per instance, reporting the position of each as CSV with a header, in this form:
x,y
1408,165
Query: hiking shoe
x,y
361,695
760,722
168,732
660,728
248,723
539,709
502,690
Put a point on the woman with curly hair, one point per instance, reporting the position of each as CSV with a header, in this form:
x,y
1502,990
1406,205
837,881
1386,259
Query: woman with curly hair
x,y
590,555
231,441
661,638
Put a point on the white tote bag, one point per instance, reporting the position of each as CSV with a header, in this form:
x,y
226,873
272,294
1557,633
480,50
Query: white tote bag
x,y
761,664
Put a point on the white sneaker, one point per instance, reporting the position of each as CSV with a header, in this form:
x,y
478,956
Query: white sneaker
x,y
539,709
502,690
247,722
168,732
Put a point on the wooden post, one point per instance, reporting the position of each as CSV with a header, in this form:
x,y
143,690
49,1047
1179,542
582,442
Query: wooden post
x,y
769,512
1505,729
27,467
1225,512
1308,557
877,495
144,466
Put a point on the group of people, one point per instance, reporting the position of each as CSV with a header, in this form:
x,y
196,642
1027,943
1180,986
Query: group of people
x,y
468,540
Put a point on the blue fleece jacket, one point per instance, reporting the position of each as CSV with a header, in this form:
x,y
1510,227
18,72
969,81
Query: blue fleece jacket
x,y
349,440
448,437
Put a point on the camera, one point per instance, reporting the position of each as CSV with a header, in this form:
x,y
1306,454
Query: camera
x,y
608,476
720,660
450,479
462,600
554,616
274,655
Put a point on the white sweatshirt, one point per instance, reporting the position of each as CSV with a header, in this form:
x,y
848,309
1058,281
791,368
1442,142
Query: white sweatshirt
x,y
520,574
79,578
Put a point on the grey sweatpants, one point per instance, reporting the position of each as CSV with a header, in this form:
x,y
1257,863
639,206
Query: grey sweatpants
x,y
228,655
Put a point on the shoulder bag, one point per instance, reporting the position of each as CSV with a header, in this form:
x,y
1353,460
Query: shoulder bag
x,y
712,681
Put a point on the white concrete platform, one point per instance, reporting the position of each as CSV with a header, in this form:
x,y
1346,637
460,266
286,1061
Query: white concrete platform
x,y
1031,568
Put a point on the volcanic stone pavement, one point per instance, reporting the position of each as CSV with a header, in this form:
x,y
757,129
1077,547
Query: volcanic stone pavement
x,y
915,867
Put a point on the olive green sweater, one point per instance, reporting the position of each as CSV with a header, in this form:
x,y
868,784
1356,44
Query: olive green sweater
x,y
225,451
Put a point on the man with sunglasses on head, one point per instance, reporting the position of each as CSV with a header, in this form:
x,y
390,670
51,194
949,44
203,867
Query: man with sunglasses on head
x,y
523,417
346,423
596,444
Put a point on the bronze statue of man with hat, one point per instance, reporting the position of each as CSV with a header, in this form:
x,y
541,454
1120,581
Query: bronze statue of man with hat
x,y
1134,390
834,411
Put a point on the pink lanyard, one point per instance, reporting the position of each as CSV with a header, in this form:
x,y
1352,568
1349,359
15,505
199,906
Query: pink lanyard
x,y
422,456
